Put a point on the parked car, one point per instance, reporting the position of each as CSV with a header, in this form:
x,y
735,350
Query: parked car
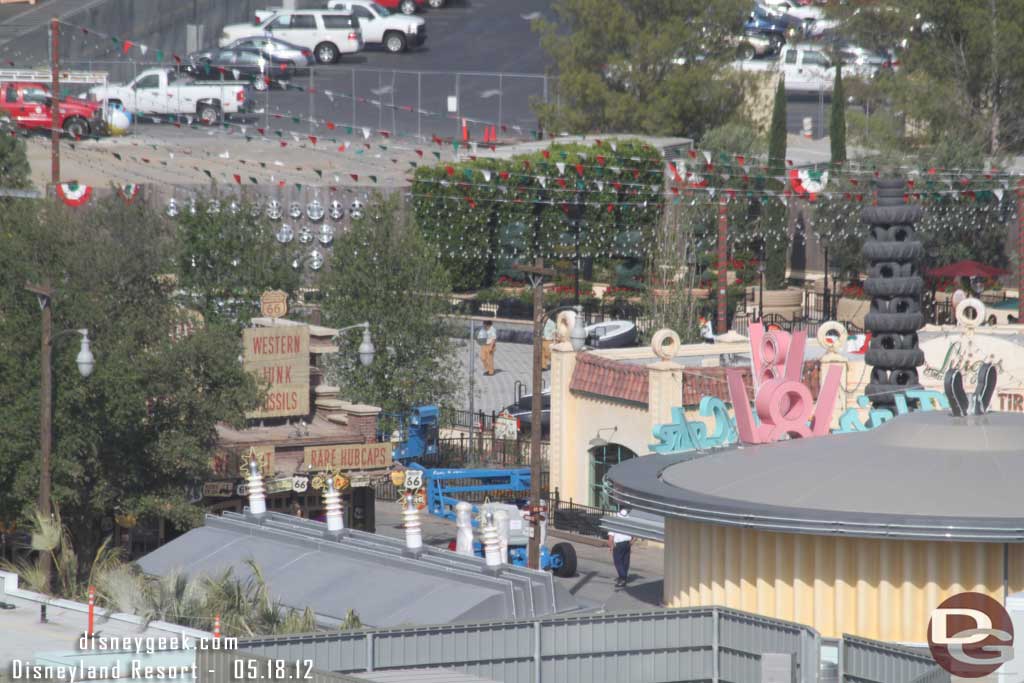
x,y
328,34
240,64
863,62
806,68
29,105
278,49
404,6
163,91
380,27
753,44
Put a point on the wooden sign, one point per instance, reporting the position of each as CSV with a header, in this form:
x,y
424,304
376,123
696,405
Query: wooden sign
x,y
274,303
280,357
358,456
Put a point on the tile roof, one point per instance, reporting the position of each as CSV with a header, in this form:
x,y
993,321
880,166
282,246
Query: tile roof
x,y
629,382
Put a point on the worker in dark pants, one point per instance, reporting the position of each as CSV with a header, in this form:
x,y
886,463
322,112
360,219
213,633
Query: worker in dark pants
x,y
621,545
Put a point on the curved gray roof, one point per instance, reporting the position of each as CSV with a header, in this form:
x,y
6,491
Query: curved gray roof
x,y
926,476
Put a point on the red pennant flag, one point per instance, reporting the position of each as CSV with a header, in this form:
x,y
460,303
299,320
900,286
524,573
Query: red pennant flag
x,y
126,46
450,170
546,153
330,125
503,175
283,143
419,153
692,153
561,181
341,148
740,159
354,176
472,204
600,160
262,131
176,58
611,208
238,178
312,138
280,183
579,170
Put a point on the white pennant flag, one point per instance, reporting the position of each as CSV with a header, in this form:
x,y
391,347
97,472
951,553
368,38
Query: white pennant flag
x,y
616,170
366,133
236,73
487,174
143,49
615,147
560,165
711,192
600,186
707,156
998,193
543,181
330,94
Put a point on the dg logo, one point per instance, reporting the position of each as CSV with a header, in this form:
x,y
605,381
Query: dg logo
x,y
970,635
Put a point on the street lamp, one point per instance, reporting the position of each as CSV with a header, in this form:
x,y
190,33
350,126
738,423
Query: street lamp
x,y
367,351
86,364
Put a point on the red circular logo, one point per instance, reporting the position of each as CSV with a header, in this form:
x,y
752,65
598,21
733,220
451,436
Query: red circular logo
x,y
970,635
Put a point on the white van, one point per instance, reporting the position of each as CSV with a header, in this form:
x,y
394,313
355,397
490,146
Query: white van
x,y
328,34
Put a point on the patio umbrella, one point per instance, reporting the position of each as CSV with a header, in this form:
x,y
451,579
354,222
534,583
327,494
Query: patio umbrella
x,y
966,269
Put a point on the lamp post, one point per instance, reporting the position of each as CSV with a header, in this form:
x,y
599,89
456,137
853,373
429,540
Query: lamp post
x,y
367,351
86,363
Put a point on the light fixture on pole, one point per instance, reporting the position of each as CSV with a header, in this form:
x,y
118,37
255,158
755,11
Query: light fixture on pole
x,y
367,351
597,441
86,364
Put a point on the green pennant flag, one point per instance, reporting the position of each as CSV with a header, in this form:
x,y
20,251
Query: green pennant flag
x,y
115,40
468,173
210,175
318,172
298,186
373,178
159,55
253,180
248,138
438,155
455,144
278,133
116,156
296,119
384,147
413,164
348,130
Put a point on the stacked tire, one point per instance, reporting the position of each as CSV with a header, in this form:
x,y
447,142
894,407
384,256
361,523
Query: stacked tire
x,y
894,283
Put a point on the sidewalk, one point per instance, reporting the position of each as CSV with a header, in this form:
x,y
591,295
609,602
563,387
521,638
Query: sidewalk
x,y
594,583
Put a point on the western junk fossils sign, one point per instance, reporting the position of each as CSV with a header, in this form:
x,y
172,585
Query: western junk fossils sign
x,y
280,356
358,456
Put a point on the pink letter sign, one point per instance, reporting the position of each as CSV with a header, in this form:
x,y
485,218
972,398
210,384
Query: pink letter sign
x,y
784,404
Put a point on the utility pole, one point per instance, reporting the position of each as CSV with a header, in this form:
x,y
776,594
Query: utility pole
x,y
45,296
55,129
723,257
1020,251
537,272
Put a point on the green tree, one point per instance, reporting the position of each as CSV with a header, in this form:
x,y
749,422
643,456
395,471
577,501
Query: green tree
x,y
227,258
651,66
14,168
960,62
141,429
777,132
383,272
734,137
837,123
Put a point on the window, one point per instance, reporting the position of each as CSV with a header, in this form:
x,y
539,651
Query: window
x,y
815,59
380,10
303,21
247,57
36,95
602,459
791,57
338,21
224,57
148,82
362,13
283,21
12,94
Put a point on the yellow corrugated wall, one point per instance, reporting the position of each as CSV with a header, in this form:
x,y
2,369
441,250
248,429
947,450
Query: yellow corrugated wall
x,y
875,588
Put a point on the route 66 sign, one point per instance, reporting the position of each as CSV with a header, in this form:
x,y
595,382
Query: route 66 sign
x,y
413,480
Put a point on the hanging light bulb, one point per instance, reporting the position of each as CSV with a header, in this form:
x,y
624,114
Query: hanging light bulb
x,y
297,262
255,210
213,207
234,208
315,210
337,210
285,234
356,210
316,260
305,235
235,262
295,210
172,208
326,235
192,208
274,210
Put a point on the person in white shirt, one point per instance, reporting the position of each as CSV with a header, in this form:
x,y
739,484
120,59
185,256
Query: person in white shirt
x,y
621,546
707,333
489,337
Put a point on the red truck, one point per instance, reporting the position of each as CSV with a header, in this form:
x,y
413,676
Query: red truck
x,y
28,104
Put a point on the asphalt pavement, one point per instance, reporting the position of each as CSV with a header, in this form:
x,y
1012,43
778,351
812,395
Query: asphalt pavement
x,y
594,583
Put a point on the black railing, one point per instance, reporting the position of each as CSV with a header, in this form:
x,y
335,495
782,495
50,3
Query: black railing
x,y
741,323
464,419
577,519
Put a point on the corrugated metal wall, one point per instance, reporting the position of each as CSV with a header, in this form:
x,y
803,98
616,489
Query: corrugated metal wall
x,y
707,644
874,588
871,661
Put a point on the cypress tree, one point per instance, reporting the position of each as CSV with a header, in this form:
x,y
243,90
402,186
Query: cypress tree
x,y
777,135
837,126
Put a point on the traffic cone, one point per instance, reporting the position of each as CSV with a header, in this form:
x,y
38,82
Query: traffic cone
x,y
216,626
494,133
487,134
465,131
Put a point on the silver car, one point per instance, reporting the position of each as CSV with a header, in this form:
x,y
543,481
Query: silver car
x,y
278,49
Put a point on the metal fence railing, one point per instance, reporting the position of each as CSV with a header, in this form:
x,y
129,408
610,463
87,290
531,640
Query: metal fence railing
x,y
872,661
585,520
741,323
695,644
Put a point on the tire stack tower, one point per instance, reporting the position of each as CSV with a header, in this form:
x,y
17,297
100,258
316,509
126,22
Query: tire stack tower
x,y
893,254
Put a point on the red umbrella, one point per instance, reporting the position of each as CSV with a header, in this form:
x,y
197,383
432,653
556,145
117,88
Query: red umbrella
x,y
966,269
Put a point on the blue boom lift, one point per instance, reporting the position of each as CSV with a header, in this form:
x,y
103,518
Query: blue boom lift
x,y
443,486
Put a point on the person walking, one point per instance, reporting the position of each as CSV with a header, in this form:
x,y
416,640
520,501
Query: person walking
x,y
706,331
488,342
621,546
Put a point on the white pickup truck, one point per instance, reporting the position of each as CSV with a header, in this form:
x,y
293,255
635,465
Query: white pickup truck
x,y
807,68
164,91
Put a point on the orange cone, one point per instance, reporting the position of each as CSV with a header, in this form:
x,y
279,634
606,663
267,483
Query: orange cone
x,y
494,133
465,131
